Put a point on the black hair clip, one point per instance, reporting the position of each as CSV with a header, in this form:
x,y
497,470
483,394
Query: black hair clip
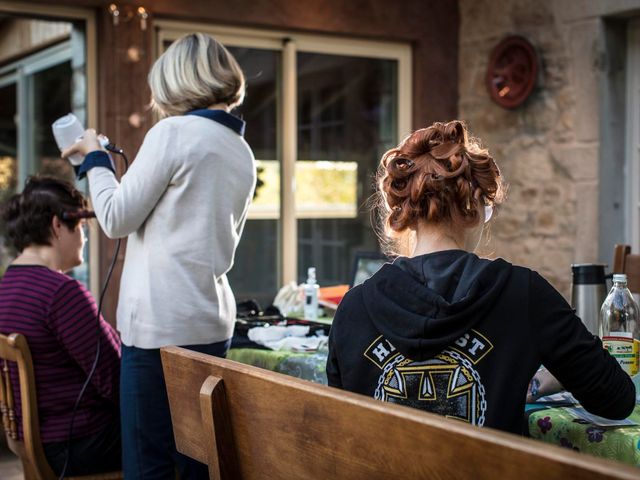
x,y
79,214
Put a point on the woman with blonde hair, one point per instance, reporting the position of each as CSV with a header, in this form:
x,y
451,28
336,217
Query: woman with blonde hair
x,y
183,205
445,331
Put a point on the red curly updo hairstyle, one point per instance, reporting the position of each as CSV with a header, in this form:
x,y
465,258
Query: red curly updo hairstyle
x,y
439,175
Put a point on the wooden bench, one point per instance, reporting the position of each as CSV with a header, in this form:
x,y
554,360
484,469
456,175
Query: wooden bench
x,y
249,423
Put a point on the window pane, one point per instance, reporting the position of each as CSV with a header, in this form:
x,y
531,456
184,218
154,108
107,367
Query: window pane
x,y
346,120
51,99
39,54
8,157
255,271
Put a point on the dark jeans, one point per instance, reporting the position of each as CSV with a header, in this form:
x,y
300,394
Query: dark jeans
x,y
148,447
97,453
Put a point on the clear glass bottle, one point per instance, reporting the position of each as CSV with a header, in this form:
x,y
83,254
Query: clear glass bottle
x,y
311,295
618,325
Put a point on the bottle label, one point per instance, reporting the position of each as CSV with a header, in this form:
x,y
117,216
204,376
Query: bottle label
x,y
624,349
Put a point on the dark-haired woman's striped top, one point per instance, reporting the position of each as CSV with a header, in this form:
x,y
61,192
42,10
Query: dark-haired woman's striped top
x,y
57,315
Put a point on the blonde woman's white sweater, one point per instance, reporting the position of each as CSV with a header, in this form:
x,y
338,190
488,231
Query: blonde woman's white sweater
x,y
182,204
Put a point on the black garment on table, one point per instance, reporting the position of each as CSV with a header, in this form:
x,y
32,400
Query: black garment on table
x,y
99,453
461,336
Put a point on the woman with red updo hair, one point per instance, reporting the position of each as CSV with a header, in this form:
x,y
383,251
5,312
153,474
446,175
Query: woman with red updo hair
x,y
445,331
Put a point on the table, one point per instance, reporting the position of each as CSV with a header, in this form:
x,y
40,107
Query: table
x,y
550,424
308,366
557,426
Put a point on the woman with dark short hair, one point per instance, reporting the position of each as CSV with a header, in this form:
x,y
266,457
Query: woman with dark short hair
x,y
58,317
445,331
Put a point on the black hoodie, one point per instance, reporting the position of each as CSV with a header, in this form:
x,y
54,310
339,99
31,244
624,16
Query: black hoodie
x,y
461,336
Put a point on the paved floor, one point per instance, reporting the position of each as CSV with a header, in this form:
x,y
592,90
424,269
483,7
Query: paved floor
x,y
10,466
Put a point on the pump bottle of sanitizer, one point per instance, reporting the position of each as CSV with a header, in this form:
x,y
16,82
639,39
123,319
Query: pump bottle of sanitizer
x,y
311,295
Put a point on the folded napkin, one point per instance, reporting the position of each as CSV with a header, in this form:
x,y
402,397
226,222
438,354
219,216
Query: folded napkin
x,y
292,338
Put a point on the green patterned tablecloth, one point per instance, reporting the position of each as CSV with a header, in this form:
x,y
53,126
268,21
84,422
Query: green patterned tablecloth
x,y
558,426
308,366
552,425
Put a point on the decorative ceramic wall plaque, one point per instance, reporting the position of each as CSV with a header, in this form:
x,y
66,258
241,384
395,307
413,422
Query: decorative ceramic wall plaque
x,y
512,72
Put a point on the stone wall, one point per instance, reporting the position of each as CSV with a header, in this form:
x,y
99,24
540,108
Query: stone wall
x,y
547,148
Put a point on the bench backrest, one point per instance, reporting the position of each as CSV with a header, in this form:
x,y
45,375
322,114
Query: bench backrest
x,y
14,348
249,423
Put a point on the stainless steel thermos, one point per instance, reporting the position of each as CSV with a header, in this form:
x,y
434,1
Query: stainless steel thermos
x,y
588,291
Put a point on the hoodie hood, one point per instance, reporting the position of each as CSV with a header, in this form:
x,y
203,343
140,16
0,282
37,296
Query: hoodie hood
x,y
425,303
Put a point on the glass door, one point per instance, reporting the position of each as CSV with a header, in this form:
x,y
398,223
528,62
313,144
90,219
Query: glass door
x,y
320,111
347,117
37,79
8,155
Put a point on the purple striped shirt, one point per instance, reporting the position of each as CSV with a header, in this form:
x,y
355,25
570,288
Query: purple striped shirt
x,y
57,315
